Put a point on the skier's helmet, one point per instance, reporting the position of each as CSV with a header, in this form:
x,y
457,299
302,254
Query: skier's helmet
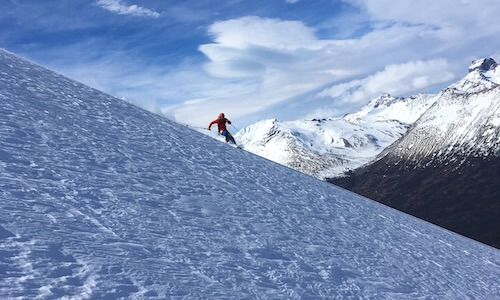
x,y
221,116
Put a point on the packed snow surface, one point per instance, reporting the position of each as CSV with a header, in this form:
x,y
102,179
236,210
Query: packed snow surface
x,y
100,199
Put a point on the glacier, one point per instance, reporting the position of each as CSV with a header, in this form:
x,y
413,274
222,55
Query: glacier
x,y
100,199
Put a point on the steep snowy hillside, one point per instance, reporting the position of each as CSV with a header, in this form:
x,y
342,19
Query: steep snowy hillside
x,y
329,148
100,199
446,169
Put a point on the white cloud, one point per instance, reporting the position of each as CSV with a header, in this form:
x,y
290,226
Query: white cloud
x,y
442,13
273,33
401,53
451,18
269,60
394,79
117,6
255,64
274,61
168,90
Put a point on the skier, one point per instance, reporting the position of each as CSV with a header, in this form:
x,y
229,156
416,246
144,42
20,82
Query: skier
x,y
221,123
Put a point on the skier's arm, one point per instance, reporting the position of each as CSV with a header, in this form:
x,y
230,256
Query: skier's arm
x,y
212,123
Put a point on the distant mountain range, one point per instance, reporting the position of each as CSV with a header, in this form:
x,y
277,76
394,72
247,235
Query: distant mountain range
x,y
446,168
327,148
330,147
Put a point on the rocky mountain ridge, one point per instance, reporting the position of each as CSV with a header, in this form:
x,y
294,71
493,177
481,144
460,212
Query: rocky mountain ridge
x,y
446,168
330,147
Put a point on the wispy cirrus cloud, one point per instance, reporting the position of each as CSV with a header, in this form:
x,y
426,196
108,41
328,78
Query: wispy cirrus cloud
x,y
279,60
118,7
270,60
205,58
413,47
394,79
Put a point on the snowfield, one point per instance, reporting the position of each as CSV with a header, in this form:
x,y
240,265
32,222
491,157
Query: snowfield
x,y
100,199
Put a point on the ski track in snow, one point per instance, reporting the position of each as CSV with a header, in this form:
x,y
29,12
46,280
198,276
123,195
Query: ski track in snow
x,y
100,199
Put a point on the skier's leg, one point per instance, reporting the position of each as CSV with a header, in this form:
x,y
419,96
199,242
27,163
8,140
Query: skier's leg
x,y
230,138
225,133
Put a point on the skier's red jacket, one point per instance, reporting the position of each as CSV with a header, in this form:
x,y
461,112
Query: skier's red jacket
x,y
221,123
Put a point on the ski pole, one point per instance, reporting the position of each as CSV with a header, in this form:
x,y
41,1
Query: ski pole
x,y
192,126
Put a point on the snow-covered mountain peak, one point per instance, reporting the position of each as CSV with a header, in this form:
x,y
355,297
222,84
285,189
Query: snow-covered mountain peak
x,y
483,65
331,147
322,148
387,108
484,74
446,168
383,100
464,121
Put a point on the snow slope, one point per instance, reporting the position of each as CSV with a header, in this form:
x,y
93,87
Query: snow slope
x,y
330,147
100,199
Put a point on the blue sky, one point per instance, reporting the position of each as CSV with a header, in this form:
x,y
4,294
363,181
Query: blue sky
x,y
283,59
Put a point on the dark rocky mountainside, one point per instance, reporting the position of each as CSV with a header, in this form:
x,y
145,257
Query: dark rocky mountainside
x,y
461,197
446,168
